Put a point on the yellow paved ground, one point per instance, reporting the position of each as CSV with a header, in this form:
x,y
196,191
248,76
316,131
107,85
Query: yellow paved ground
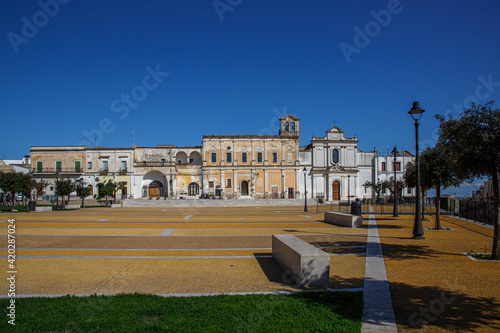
x,y
434,287
433,284
107,251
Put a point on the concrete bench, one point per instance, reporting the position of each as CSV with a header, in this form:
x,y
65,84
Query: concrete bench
x,y
43,208
116,205
343,219
72,207
308,265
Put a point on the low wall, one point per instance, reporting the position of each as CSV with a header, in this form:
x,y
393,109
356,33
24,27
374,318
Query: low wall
x,y
344,220
308,265
43,208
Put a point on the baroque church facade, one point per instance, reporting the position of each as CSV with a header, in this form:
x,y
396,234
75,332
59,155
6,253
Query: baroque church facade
x,y
331,167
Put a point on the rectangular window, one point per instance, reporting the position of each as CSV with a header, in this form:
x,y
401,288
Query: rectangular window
x,y
163,160
77,166
210,184
39,166
383,166
214,157
228,158
124,166
228,182
409,190
191,161
275,157
58,166
89,165
105,166
259,157
244,157
397,166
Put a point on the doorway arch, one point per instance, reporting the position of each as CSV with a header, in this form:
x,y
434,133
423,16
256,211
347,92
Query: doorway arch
x,y
336,190
155,189
244,188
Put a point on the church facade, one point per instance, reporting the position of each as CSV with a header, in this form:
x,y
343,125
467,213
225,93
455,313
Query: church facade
x,y
331,167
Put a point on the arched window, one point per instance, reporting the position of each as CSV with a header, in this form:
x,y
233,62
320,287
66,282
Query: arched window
x,y
335,156
193,189
286,127
293,127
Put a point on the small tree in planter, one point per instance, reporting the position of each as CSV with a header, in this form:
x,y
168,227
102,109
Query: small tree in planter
x,y
64,187
82,191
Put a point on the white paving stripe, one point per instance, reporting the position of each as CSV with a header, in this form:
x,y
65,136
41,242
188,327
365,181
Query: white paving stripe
x,y
378,312
102,220
283,292
167,232
167,257
188,217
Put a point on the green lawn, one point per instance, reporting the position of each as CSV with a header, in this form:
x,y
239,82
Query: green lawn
x,y
302,312
19,208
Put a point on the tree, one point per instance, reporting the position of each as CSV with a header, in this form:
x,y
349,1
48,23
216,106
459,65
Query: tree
x,y
82,191
111,188
473,142
437,172
40,186
389,184
26,184
376,186
64,187
8,183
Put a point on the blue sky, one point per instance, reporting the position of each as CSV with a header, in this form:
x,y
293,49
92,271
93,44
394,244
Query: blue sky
x,y
233,64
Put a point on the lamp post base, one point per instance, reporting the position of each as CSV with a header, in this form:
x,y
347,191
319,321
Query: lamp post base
x,y
418,237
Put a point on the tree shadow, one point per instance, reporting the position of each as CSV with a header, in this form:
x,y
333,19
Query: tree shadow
x,y
432,306
405,252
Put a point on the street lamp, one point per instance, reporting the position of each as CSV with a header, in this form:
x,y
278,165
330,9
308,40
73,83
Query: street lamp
x,y
395,210
57,195
416,113
348,190
305,189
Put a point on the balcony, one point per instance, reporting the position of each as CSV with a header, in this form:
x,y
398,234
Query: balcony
x,y
153,164
58,170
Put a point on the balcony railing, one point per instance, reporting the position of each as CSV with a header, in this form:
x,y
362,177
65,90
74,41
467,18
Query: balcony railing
x,y
58,170
153,164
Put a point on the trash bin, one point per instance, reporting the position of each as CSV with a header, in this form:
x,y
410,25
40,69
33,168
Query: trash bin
x,y
31,206
356,208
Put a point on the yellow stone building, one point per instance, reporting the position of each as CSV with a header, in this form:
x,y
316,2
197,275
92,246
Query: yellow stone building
x,y
258,166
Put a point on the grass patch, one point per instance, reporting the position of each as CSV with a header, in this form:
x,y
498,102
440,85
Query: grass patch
x,y
301,312
20,208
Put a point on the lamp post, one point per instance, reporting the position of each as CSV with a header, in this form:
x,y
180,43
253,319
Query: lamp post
x,y
416,113
348,190
395,210
305,189
57,192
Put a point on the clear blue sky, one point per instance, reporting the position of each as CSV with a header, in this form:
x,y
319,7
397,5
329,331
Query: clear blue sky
x,y
231,66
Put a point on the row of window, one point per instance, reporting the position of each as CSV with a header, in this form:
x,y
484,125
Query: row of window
x,y
77,166
244,158
396,166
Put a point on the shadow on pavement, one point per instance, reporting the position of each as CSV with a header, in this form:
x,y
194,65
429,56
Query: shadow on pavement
x,y
430,306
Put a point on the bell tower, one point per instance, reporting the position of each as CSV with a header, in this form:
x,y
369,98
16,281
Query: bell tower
x,y
289,126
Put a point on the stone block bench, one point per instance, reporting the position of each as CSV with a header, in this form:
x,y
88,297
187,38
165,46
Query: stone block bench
x,y
308,265
343,219
43,208
72,207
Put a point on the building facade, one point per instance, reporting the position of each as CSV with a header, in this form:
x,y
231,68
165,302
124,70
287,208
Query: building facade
x,y
231,166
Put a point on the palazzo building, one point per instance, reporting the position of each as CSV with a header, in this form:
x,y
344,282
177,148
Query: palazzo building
x,y
230,166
